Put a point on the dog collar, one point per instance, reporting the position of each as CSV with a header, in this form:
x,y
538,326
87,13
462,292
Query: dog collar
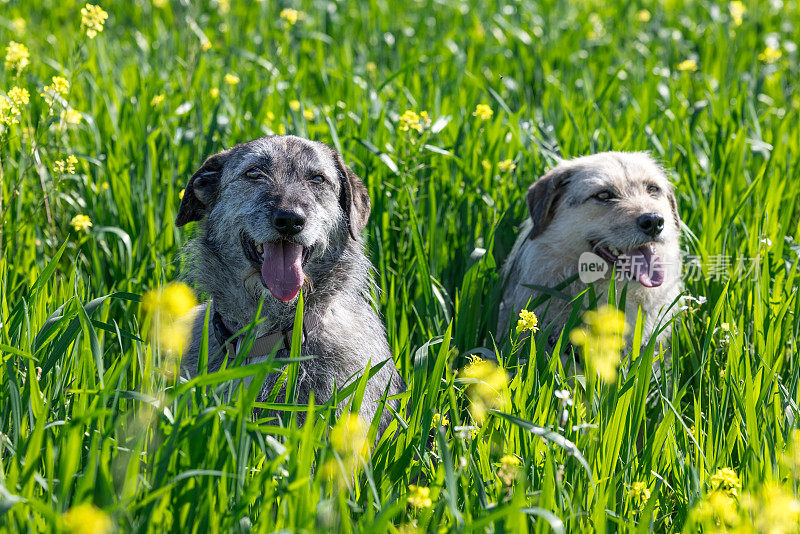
x,y
262,346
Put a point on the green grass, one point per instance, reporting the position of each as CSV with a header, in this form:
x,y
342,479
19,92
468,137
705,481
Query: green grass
x,y
105,425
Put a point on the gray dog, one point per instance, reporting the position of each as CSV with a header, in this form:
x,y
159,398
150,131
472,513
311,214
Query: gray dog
x,y
276,214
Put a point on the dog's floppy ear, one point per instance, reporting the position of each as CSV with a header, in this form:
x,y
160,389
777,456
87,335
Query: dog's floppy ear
x,y
354,198
543,197
201,190
673,204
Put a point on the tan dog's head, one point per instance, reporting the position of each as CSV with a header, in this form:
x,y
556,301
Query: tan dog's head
x,y
618,205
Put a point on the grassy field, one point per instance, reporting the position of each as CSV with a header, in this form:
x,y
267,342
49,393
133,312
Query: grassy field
x,y
95,431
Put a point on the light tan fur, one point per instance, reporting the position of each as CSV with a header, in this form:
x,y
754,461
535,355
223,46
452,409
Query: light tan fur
x,y
568,219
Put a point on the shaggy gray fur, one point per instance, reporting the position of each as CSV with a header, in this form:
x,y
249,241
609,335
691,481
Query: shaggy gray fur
x,y
232,207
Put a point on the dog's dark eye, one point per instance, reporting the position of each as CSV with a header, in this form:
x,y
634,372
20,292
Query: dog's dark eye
x,y
653,189
254,174
317,179
604,195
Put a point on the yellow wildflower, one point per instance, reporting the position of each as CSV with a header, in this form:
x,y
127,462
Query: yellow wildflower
x,y
86,519
483,112
18,25
81,223
170,308
58,88
71,116
157,100
291,16
774,509
688,65
349,440
231,79
19,96
294,105
715,510
8,111
527,321
439,420
205,45
411,120
419,496
508,470
770,55
270,116
643,15
180,195
726,481
601,341
639,492
67,166
506,165
214,93
486,385
486,164
737,10
308,114
93,18
17,56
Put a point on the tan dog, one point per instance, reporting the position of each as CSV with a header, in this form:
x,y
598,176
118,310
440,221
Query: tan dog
x,y
617,206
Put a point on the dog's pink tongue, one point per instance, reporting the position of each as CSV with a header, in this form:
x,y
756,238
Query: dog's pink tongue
x,y
646,266
283,269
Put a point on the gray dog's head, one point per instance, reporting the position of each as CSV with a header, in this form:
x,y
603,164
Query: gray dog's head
x,y
619,205
276,207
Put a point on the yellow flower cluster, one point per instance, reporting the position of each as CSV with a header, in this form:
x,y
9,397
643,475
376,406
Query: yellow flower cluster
x,y
726,481
643,15
601,341
770,55
231,79
81,223
93,18
737,11
294,105
71,116
688,65
419,496
349,440
506,165
717,510
10,105
86,519
527,321
486,385
411,120
17,56
157,100
58,88
439,420
774,509
639,492
508,469
291,16
483,112
170,310
61,166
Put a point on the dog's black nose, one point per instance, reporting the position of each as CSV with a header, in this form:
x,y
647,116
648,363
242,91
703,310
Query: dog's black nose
x,y
651,223
288,223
